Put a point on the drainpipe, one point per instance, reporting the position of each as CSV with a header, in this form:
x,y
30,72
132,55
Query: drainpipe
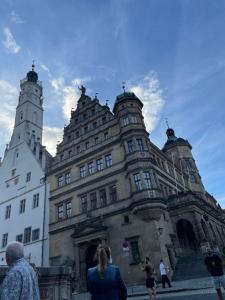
x,y
43,226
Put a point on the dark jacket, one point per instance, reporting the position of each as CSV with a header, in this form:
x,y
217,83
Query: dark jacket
x,y
110,286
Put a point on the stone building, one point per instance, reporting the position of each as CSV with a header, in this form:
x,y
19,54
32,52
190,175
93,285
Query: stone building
x,y
110,184
23,188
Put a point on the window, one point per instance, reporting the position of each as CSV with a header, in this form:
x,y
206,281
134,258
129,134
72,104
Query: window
x,y
77,134
108,160
96,140
19,238
68,209
84,203
35,200
93,199
140,145
60,212
60,180
67,178
82,171
137,180
13,172
78,149
99,163
70,153
86,145
130,146
93,112
135,251
35,234
125,121
16,180
134,119
94,125
103,120
84,116
28,177
27,235
4,240
112,193
61,157
126,219
192,178
147,180
85,129
106,135
103,199
7,211
91,167
22,206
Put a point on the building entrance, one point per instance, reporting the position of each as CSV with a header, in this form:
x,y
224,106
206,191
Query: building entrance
x,y
186,235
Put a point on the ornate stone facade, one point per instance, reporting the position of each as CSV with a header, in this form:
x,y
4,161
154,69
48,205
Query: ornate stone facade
x,y
110,184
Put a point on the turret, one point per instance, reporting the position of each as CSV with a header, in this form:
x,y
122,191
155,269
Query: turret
x,y
179,151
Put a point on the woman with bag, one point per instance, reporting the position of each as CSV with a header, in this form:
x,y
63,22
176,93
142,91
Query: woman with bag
x,y
104,280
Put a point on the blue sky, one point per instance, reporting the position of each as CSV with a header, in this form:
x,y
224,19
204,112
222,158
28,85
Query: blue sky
x,y
171,53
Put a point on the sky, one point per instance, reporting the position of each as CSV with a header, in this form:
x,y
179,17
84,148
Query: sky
x,y
170,53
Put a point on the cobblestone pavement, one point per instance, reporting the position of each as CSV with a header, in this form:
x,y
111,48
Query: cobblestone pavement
x,y
189,295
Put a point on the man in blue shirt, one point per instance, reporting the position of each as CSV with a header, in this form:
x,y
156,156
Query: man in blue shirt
x,y
20,282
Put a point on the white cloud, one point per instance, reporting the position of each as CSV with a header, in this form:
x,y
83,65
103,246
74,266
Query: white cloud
x,y
15,18
57,84
9,41
50,137
149,91
45,68
9,98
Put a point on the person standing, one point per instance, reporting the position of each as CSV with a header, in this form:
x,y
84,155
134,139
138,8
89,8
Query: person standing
x,y
163,272
104,281
20,282
214,265
148,268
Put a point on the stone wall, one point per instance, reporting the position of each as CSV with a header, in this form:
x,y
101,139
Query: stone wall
x,y
54,282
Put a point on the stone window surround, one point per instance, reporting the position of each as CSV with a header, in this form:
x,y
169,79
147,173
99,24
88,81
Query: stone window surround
x,y
130,240
63,204
63,176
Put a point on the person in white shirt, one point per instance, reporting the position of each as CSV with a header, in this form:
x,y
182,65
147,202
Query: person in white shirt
x,y
163,272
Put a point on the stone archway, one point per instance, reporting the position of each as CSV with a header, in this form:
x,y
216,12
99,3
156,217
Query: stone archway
x,y
186,235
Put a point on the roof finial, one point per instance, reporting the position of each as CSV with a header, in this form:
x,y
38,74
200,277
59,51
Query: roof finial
x,y
96,95
167,122
124,86
33,65
106,102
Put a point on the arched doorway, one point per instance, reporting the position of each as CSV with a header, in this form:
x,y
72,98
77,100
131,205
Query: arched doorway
x,y
186,235
90,257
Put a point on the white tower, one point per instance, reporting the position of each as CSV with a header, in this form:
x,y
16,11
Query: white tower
x,y
23,189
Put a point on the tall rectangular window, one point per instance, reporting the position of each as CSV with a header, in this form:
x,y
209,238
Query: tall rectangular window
x,y
67,178
35,200
99,163
82,171
19,238
134,119
85,129
7,211
60,180
94,125
78,149
96,141
68,209
108,160
135,251
147,180
102,196
112,193
35,234
106,135
27,235
130,146
86,145
125,121
28,178
22,206
140,145
4,240
137,180
84,203
60,212
91,167
93,200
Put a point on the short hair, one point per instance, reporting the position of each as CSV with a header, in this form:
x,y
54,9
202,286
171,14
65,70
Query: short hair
x,y
14,251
